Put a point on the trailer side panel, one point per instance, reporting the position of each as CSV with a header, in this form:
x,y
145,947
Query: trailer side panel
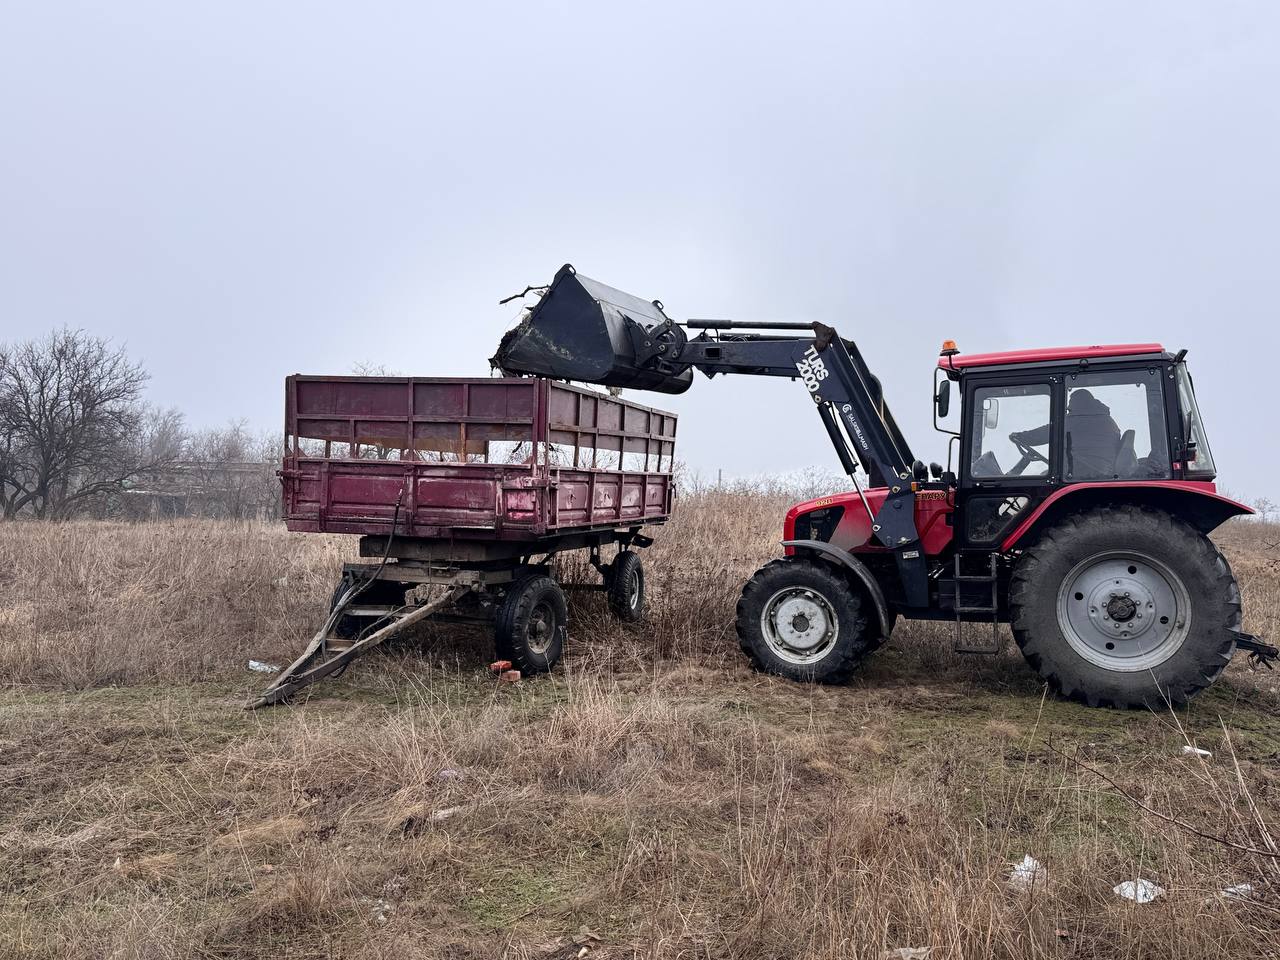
x,y
501,458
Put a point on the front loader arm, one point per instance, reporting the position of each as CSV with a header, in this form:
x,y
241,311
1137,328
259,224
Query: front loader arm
x,y
834,374
851,405
581,329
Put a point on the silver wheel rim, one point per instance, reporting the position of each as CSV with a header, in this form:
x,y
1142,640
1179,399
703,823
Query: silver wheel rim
x,y
1124,611
542,628
799,625
633,595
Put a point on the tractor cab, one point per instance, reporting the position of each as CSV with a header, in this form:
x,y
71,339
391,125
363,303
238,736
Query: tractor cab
x,y
1033,423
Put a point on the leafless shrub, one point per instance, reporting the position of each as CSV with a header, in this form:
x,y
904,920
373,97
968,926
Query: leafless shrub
x,y
230,473
73,427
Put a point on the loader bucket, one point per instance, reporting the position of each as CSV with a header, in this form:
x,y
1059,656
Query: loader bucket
x,y
583,330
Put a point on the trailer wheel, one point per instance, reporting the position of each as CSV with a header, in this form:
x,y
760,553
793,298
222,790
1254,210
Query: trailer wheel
x,y
385,593
1125,607
531,625
626,586
801,619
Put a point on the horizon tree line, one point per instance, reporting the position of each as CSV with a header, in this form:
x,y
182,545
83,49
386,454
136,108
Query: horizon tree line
x,y
77,438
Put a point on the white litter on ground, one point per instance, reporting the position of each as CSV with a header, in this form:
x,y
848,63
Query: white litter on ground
x,y
1197,752
1239,891
257,666
1027,873
446,813
908,953
1139,890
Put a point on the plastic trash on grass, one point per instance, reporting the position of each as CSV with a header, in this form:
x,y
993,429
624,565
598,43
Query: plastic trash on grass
x,y
1139,890
257,666
1027,874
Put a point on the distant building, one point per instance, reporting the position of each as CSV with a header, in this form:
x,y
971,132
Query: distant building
x,y
235,490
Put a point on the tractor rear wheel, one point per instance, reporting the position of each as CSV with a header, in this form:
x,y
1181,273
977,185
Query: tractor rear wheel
x,y
801,619
1125,607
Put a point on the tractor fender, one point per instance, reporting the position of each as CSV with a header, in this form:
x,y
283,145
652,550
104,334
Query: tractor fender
x,y
1197,502
857,568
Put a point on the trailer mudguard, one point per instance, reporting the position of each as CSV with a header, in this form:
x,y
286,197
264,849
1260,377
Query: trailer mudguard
x,y
857,568
1196,501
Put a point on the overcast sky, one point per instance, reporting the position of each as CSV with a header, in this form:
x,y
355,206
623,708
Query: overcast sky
x,y
239,191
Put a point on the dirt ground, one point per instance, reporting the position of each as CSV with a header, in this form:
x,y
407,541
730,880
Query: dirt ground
x,y
653,798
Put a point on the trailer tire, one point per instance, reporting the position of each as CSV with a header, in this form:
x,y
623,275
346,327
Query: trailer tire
x,y
379,593
626,586
803,620
532,624
1125,607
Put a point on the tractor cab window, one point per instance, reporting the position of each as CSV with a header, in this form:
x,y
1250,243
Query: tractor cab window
x,y
1199,459
1114,428
1011,435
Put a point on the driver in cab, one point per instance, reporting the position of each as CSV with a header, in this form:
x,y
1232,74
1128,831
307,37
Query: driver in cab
x,y
1092,436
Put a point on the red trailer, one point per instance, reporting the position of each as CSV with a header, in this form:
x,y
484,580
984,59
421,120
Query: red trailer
x,y
463,489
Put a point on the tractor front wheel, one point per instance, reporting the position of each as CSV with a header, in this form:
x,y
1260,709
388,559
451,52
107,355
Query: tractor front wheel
x,y
801,619
1127,607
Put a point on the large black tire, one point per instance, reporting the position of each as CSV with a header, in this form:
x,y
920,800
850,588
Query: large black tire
x,y
532,624
380,593
626,586
803,620
1079,627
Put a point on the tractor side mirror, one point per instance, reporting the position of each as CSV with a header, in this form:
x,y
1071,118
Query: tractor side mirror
x,y
991,413
943,399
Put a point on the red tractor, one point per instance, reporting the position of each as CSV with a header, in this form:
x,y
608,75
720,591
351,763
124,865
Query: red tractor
x,y
1079,509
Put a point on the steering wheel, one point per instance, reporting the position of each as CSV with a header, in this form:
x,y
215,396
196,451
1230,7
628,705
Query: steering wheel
x,y
1029,454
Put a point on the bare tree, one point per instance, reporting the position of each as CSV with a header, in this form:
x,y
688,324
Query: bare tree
x,y
72,424
232,472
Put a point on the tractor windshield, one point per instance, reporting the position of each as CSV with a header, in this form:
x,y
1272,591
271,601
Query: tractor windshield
x,y
1199,458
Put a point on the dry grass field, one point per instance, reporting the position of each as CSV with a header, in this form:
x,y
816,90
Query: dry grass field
x,y
653,798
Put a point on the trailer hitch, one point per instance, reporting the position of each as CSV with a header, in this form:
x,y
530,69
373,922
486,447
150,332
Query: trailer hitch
x,y
1260,654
